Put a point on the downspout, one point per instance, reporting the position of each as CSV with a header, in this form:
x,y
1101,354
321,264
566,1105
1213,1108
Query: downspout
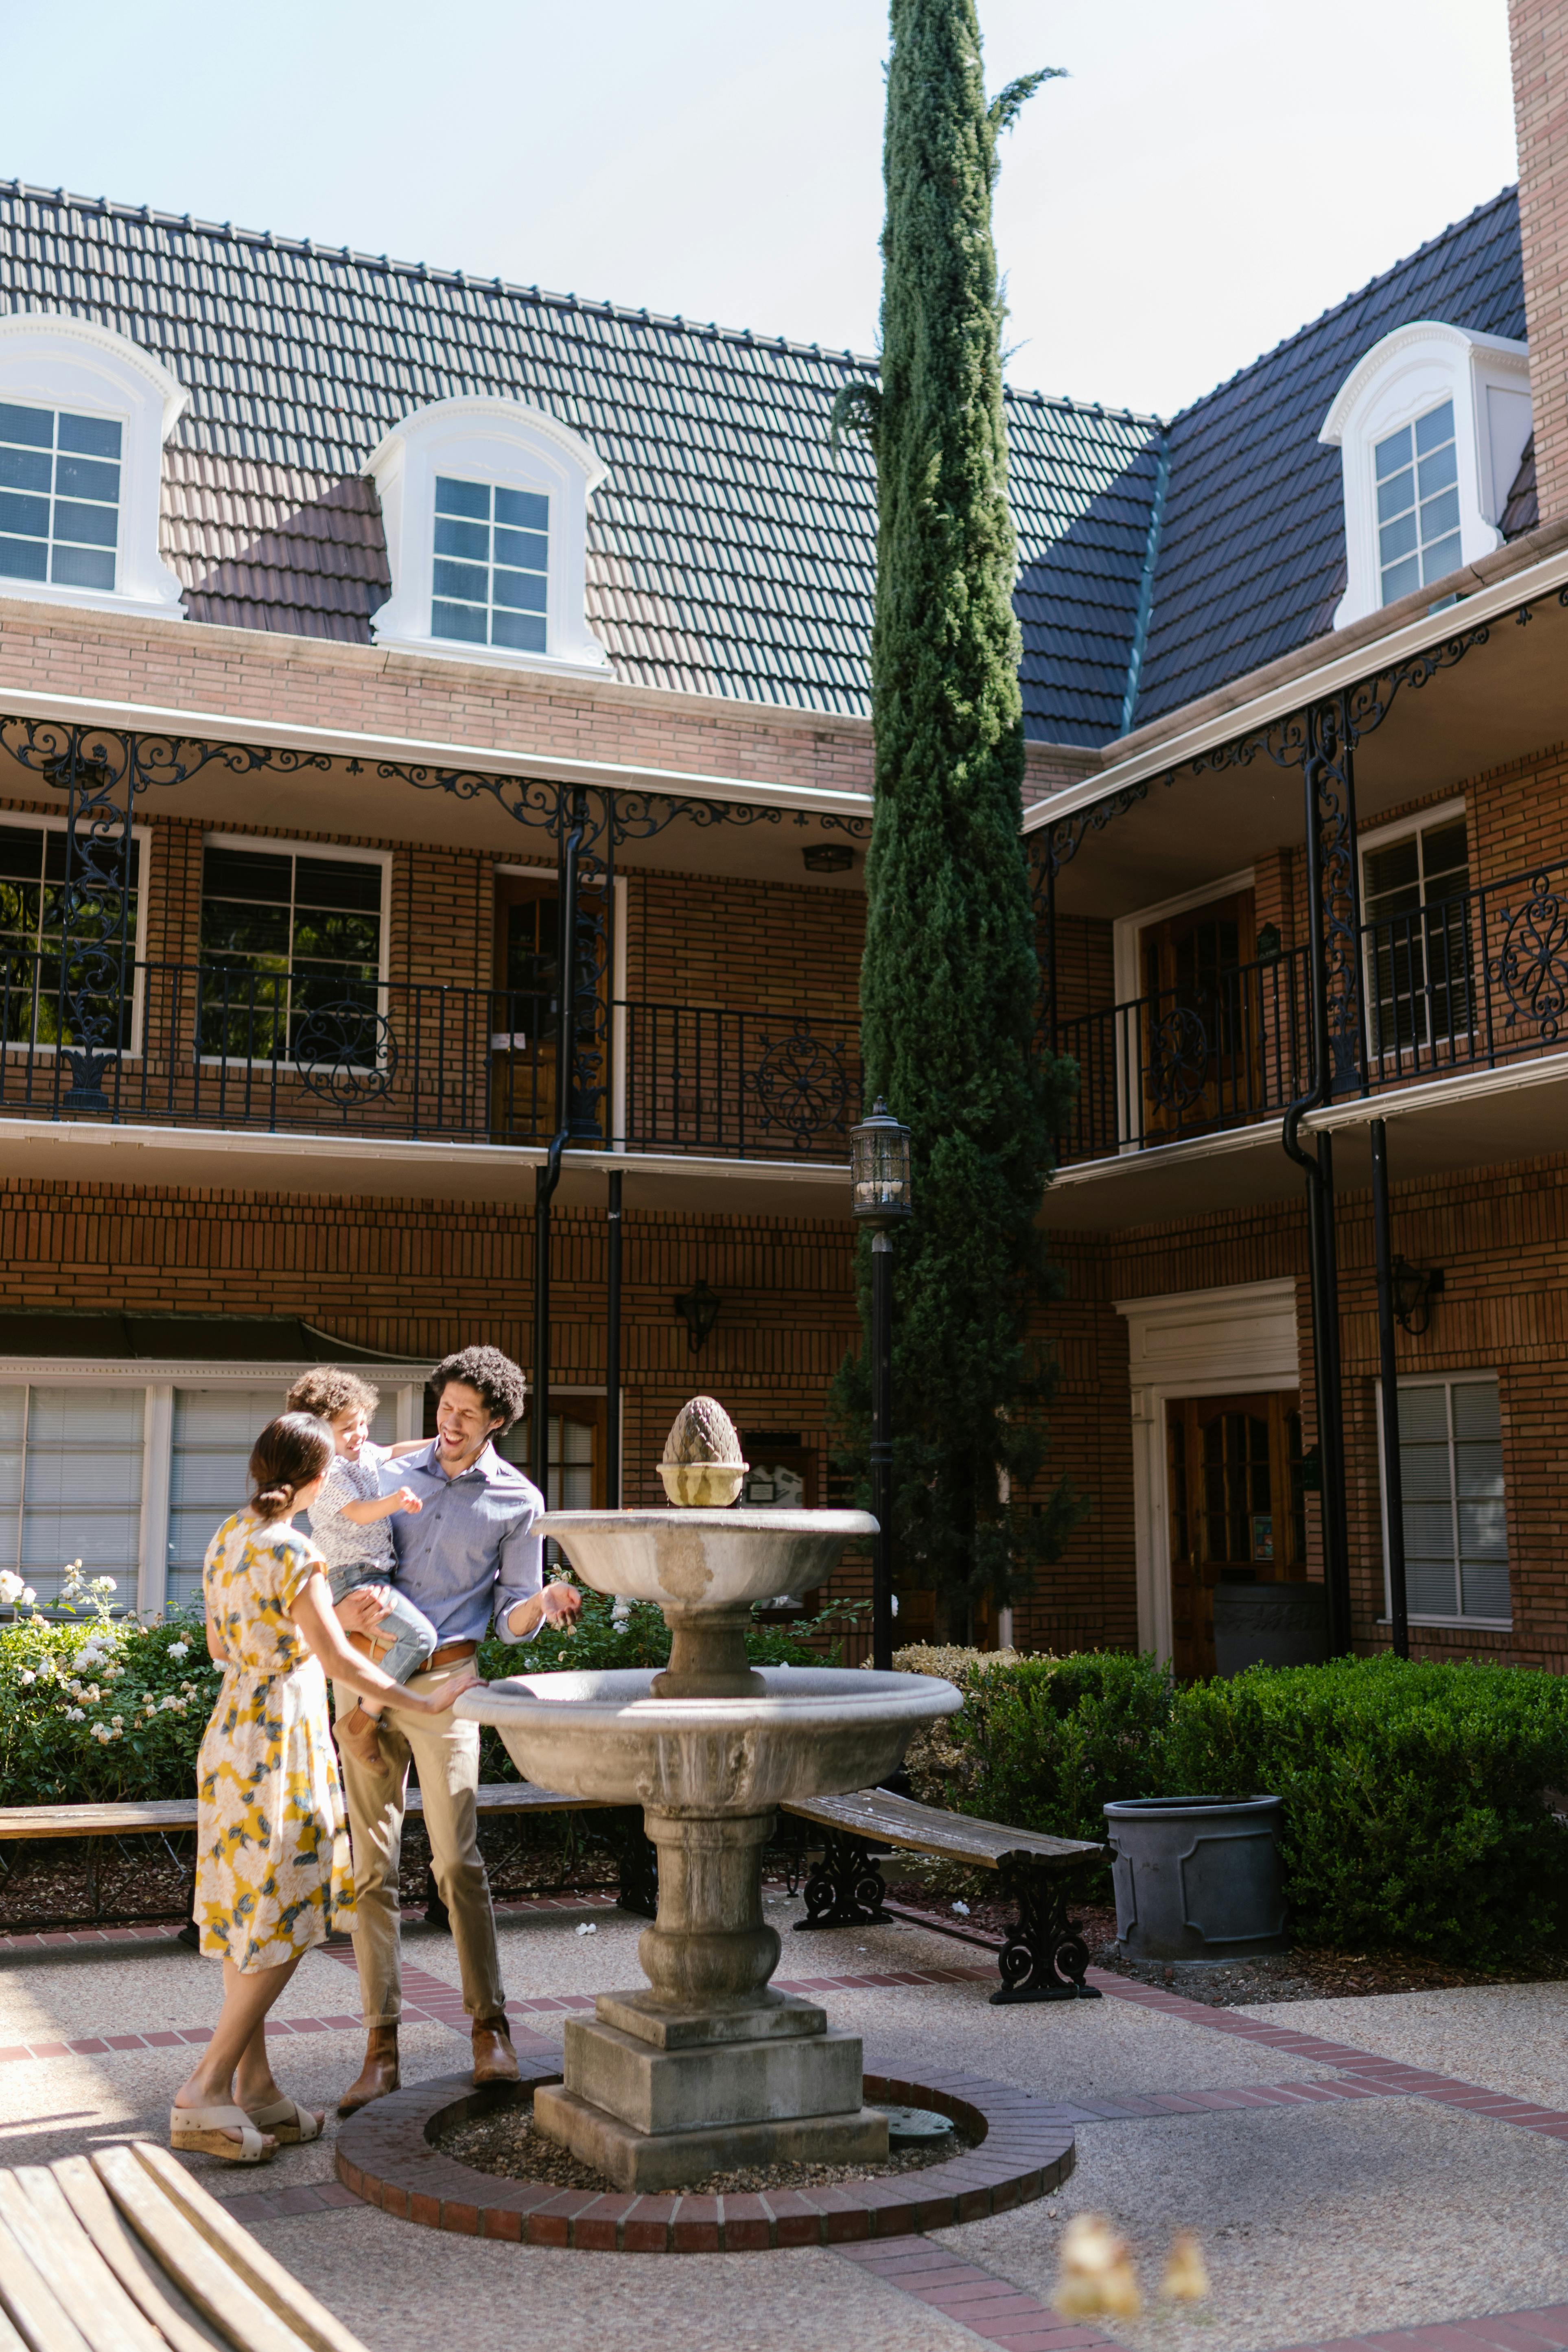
x,y
1145,612
549,1176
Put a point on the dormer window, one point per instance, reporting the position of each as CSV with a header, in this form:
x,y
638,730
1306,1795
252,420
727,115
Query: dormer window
x,y
1430,426
1417,503
486,508
84,415
491,565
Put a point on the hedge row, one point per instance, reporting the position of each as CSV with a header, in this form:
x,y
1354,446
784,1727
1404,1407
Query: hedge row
x,y
1419,1799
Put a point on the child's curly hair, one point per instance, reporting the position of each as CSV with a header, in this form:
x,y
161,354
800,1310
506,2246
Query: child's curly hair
x,y
328,1392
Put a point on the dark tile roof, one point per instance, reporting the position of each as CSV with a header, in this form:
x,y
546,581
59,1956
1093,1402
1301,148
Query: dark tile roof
x,y
728,553
1251,561
1522,511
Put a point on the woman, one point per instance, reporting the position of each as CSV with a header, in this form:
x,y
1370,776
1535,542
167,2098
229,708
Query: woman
x,y
272,1869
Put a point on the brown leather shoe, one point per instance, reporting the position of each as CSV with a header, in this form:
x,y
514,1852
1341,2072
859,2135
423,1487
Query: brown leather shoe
x,y
379,2073
495,2060
359,1734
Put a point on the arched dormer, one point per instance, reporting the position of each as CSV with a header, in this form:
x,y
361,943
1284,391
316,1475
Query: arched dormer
x,y
1431,425
84,415
485,503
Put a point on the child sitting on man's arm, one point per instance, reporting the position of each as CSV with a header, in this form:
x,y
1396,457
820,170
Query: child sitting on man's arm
x,y
349,1521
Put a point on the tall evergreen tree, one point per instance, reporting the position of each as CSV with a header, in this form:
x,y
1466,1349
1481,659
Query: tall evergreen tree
x,y
950,981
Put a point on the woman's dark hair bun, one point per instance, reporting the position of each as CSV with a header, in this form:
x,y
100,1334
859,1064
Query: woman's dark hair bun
x,y
290,1453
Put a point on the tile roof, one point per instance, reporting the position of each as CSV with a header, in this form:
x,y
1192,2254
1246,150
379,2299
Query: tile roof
x,y
1251,561
728,553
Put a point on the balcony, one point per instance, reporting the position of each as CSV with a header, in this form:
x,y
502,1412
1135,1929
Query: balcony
x,y
1422,1007
298,1053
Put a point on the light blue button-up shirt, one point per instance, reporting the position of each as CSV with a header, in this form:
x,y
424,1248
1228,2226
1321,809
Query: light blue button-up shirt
x,y
472,1551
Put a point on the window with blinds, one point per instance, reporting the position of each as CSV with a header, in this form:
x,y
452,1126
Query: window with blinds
x,y
1456,1525
70,1484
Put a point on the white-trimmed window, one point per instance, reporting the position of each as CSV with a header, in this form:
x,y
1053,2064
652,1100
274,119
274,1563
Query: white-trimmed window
x,y
1431,425
485,504
1414,886
40,988
1455,1521
84,415
293,943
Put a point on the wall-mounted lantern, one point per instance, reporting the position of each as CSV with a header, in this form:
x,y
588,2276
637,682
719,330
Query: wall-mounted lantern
x,y
698,1310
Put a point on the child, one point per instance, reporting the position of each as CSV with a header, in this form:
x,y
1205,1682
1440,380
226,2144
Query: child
x,y
349,1521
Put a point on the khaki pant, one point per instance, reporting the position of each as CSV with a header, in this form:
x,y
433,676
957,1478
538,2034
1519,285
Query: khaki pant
x,y
446,1754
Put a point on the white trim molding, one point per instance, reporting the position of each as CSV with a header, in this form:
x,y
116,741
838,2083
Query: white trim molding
x,y
1193,1343
504,443
47,361
1409,373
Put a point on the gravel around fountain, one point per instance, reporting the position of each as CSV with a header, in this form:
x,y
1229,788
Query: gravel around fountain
x,y
506,2144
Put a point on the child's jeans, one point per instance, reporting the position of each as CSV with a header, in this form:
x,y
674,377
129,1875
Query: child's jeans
x,y
412,1637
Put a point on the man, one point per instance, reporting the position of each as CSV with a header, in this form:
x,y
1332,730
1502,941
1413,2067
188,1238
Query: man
x,y
468,1552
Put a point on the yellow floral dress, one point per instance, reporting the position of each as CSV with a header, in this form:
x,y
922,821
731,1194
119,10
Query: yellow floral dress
x,y
273,1873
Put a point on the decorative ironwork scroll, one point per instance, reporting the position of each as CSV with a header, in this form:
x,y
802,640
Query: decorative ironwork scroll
x,y
802,1085
1531,965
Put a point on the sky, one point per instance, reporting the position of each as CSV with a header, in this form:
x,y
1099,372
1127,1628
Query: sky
x,y
1210,176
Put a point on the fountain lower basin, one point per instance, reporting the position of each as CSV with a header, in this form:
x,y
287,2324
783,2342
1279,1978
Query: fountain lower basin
x,y
706,2066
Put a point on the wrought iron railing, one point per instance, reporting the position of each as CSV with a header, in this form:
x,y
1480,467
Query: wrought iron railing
x,y
1476,981
310,1052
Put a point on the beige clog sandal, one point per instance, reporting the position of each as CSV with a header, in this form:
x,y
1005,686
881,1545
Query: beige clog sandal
x,y
212,2131
293,2125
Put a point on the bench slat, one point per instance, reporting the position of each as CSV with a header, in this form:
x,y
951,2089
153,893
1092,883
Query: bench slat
x,y
180,1812
887,1820
185,2254
146,2286
37,2214
27,2295
265,2277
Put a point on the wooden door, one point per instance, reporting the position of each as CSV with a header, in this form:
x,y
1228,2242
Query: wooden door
x,y
1200,1041
523,1020
1237,1514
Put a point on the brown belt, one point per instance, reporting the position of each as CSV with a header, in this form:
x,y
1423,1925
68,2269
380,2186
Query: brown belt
x,y
451,1654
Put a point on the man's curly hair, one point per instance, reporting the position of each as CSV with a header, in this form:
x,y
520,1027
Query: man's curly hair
x,y
502,1385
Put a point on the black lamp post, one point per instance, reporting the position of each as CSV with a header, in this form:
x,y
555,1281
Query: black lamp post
x,y
879,1194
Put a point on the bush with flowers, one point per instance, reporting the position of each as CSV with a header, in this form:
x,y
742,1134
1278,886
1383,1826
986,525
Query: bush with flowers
x,y
96,1706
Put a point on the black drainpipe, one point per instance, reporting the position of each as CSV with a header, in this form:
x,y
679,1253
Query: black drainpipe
x,y
549,1176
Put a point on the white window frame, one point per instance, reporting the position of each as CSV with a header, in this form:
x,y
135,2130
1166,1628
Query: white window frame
x,y
514,447
1440,1380
1404,375
401,1384
1383,836
47,361
142,835
268,845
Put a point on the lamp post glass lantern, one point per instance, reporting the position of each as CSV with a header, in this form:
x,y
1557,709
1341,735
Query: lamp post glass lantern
x,y
881,1197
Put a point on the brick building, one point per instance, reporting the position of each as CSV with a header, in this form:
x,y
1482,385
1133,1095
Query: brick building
x,y
338,597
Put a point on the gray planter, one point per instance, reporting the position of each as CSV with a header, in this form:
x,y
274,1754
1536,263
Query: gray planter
x,y
1197,1878
1269,1626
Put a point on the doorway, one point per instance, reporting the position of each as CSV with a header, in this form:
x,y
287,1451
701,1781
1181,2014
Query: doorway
x,y
525,968
1200,1041
1237,1515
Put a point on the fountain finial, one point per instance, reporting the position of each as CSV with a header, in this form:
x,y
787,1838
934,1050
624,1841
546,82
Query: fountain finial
x,y
702,1464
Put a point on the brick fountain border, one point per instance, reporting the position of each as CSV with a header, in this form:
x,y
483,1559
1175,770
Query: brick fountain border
x,y
385,2155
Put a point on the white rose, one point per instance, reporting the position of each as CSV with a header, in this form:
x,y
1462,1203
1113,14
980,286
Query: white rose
x,y
27,1676
179,1649
168,1700
76,1714
11,1586
101,1731
28,1595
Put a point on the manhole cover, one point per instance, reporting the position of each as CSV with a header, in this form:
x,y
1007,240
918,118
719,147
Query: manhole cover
x,y
908,2123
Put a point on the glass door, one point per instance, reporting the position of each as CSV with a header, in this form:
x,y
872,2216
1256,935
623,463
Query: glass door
x,y
1201,1033
1237,1511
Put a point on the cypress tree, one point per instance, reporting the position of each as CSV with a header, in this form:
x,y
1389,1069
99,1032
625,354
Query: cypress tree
x,y
950,980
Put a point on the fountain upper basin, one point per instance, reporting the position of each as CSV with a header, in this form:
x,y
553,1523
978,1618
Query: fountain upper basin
x,y
704,1560
814,1731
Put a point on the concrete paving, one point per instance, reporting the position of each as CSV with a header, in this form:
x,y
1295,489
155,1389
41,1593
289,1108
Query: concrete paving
x,y
1316,2220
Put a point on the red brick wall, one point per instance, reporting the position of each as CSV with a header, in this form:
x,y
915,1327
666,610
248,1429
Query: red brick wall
x,y
1539,40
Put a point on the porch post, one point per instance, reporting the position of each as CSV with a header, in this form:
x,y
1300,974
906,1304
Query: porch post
x,y
549,1176
613,1351
1393,1473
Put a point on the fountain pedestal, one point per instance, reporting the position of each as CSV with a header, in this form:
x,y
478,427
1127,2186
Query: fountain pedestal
x,y
705,2068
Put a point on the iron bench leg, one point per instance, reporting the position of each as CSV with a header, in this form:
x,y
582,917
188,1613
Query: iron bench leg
x,y
1045,1956
845,1888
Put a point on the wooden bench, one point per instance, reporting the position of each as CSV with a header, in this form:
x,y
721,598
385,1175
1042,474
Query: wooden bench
x,y
128,2252
166,1818
1045,1956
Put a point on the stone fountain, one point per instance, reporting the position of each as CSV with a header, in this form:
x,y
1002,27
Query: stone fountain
x,y
704,2066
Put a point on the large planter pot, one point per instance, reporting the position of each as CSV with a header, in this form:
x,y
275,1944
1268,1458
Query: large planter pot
x,y
1197,1878
1269,1626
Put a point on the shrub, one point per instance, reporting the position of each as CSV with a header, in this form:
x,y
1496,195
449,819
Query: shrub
x,y
1416,1804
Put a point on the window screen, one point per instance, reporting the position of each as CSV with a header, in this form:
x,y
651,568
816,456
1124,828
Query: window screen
x,y
215,1430
492,565
1417,477
1456,1531
291,947
59,496
70,1484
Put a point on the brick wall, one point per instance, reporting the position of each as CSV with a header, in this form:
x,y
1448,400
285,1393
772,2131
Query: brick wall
x,y
1538,41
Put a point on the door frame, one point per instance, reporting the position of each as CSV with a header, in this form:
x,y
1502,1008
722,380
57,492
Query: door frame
x,y
1127,980
1193,1343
